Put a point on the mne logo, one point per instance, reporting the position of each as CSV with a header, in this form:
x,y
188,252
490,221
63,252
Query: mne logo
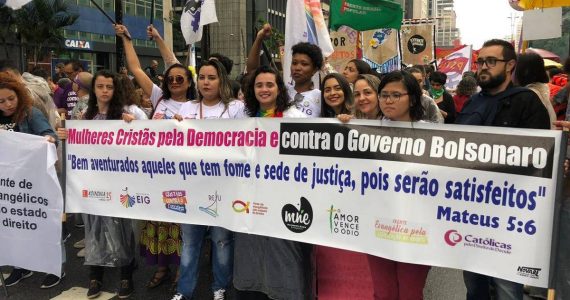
x,y
298,218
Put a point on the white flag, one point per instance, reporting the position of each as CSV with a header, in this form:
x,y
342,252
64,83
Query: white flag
x,y
195,15
304,23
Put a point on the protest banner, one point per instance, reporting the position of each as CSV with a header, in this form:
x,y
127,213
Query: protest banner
x,y
473,198
380,50
31,203
417,44
454,65
344,42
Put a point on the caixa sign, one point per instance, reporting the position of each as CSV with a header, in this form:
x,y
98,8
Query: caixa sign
x,y
77,44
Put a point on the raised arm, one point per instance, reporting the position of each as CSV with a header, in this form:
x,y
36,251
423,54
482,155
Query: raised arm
x,y
167,55
133,63
253,56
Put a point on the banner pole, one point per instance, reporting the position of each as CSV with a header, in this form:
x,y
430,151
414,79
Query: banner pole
x,y
63,169
556,221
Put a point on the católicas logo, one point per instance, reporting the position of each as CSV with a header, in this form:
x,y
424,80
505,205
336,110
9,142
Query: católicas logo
x,y
452,237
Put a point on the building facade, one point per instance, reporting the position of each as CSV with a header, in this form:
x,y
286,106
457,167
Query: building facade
x,y
447,33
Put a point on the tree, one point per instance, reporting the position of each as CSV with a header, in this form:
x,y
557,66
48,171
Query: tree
x,y
40,24
6,27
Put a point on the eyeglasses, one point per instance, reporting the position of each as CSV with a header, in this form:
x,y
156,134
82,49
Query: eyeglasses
x,y
489,61
394,96
178,79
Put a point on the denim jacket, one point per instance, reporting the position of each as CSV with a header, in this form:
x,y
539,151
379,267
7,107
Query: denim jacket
x,y
36,123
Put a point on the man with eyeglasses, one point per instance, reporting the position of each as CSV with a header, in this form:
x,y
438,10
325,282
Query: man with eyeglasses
x,y
499,104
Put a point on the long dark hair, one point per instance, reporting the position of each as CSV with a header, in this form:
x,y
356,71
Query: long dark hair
x,y
413,88
117,102
346,108
530,69
251,103
190,92
361,66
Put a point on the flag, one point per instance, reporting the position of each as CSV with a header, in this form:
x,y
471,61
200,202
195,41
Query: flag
x,y
365,15
417,44
305,23
454,65
195,15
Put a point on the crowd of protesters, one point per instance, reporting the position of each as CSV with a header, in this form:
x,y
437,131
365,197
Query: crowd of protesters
x,y
507,90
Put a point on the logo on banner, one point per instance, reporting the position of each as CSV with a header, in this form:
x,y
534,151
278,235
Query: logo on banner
x,y
529,272
417,44
98,195
298,218
341,223
453,238
212,209
379,37
175,200
400,231
128,200
241,206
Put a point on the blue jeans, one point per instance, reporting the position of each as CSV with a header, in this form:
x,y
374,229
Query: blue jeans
x,y
478,287
222,257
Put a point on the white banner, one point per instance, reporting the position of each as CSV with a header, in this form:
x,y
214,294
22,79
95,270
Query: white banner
x,y
31,203
454,65
429,194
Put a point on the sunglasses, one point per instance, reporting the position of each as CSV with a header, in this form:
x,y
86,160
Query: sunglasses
x,y
178,79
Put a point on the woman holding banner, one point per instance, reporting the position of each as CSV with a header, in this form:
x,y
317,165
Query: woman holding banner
x,y
17,114
214,102
366,101
265,267
109,242
177,88
400,100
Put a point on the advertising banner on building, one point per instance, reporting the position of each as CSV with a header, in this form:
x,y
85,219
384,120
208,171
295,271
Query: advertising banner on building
x,y
454,65
380,49
345,46
417,44
31,203
412,192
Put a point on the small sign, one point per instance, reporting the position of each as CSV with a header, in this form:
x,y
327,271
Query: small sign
x,y
78,44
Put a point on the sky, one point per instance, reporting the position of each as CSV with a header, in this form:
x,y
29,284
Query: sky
x,y
481,20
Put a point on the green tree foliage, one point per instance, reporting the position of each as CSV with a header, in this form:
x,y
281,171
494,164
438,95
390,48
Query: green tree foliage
x,y
40,24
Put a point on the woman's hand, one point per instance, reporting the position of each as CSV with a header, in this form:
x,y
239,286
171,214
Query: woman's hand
x,y
122,31
128,117
61,133
178,117
50,139
264,32
151,32
562,125
344,118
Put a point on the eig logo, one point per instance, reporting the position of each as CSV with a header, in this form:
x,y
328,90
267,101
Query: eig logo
x,y
298,218
128,200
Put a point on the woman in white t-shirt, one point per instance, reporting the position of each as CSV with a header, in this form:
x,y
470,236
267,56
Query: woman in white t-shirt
x,y
214,102
177,88
214,96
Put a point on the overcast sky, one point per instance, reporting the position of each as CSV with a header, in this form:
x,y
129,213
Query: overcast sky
x,y
480,20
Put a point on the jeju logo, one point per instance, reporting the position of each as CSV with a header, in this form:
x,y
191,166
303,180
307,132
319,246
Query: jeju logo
x,y
452,237
298,219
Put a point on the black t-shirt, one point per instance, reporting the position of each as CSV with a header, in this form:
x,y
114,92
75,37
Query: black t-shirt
x,y
7,124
